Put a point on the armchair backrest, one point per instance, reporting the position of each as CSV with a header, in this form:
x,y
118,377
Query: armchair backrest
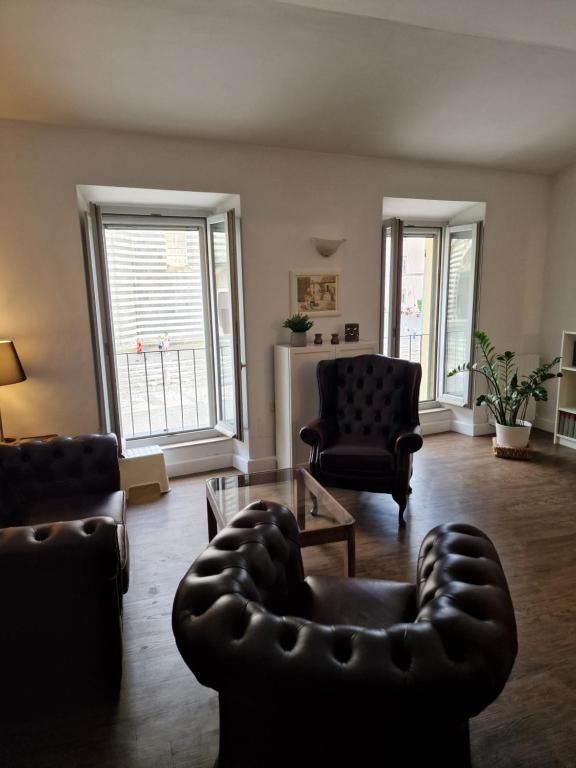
x,y
64,466
369,396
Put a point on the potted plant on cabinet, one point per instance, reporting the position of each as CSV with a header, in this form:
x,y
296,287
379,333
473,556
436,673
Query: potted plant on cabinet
x,y
508,392
298,324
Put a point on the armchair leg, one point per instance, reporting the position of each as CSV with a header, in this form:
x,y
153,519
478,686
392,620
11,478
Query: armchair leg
x,y
402,500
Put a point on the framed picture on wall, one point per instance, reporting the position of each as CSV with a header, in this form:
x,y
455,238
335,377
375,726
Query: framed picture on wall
x,y
315,293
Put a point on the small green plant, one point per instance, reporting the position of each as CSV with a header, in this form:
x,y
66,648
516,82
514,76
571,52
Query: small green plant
x,y
298,323
508,393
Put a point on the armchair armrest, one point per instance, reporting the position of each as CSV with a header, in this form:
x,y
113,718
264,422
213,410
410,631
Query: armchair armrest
x,y
74,547
61,608
319,432
409,440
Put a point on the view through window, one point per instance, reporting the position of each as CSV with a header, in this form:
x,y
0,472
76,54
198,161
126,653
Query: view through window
x,y
429,279
158,301
170,285
419,288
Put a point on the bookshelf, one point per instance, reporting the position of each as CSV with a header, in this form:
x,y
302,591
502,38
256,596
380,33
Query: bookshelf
x,y
565,426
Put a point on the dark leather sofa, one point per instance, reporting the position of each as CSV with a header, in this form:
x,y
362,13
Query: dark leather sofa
x,y
63,567
329,671
368,426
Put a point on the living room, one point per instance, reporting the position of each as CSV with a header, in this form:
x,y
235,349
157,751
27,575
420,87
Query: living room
x,y
313,118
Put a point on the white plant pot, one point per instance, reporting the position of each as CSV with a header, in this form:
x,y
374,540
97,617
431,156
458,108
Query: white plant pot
x,y
298,339
513,437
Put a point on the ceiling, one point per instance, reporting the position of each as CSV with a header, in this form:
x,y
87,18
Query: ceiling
x,y
487,83
549,23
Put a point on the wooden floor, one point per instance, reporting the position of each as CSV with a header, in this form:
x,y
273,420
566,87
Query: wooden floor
x,y
166,720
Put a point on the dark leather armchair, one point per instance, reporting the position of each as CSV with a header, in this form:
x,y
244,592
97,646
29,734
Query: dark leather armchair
x,y
342,672
63,566
368,427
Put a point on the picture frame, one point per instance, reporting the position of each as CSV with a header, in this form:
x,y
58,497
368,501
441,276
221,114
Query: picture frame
x,y
315,292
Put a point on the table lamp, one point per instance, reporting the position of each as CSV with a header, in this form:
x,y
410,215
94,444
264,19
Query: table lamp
x,y
11,371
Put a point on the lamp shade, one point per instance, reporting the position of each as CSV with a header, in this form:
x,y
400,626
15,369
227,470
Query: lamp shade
x,y
11,371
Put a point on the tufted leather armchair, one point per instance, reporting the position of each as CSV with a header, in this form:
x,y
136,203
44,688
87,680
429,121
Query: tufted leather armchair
x,y
368,426
63,565
328,671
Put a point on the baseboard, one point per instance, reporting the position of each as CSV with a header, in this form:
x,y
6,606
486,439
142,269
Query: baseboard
x,y
180,462
547,425
435,420
472,430
245,464
433,427
196,466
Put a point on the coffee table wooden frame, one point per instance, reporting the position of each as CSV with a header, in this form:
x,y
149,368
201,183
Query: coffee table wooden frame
x,y
340,531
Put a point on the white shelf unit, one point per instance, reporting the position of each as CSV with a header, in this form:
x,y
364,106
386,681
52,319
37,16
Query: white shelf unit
x,y
296,389
567,392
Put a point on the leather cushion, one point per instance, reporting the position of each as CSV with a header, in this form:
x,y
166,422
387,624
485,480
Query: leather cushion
x,y
358,458
369,603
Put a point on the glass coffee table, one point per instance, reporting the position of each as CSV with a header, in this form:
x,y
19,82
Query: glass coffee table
x,y
321,519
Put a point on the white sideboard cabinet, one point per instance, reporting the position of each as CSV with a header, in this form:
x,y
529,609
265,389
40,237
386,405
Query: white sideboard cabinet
x,y
296,392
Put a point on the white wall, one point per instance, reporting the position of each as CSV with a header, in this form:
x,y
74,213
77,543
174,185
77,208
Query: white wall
x,y
559,303
287,196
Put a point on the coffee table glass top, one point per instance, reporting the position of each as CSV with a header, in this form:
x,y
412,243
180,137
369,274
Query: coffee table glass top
x,y
315,509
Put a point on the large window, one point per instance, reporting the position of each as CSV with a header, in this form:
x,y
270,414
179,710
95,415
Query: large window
x,y
428,302
457,311
170,304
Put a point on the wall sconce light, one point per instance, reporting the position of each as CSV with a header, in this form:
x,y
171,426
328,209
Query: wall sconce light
x,y
326,247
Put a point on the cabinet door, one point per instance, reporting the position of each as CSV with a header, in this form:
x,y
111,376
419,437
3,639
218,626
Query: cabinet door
x,y
305,400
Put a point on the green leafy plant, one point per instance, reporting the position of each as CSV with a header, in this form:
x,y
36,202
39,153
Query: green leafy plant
x,y
298,323
508,392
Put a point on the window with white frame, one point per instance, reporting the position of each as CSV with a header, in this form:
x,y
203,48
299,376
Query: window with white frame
x,y
429,286
169,296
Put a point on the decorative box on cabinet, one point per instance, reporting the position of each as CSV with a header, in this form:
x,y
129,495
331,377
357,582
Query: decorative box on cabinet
x,y
296,392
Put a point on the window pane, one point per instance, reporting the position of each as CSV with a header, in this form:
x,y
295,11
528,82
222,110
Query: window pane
x,y
157,302
417,340
459,301
387,292
224,325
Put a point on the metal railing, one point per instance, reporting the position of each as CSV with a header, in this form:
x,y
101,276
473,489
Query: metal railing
x,y
163,391
411,346
166,391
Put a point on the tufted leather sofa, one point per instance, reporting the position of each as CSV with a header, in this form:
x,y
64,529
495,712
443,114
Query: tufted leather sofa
x,y
328,671
63,565
368,427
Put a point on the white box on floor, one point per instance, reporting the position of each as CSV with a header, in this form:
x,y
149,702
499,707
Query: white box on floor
x,y
143,466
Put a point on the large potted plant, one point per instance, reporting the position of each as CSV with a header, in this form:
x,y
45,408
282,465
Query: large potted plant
x,y
298,324
508,392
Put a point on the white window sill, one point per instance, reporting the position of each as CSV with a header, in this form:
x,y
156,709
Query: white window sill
x,y
435,409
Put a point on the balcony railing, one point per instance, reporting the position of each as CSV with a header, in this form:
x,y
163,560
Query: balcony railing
x,y
411,346
163,391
